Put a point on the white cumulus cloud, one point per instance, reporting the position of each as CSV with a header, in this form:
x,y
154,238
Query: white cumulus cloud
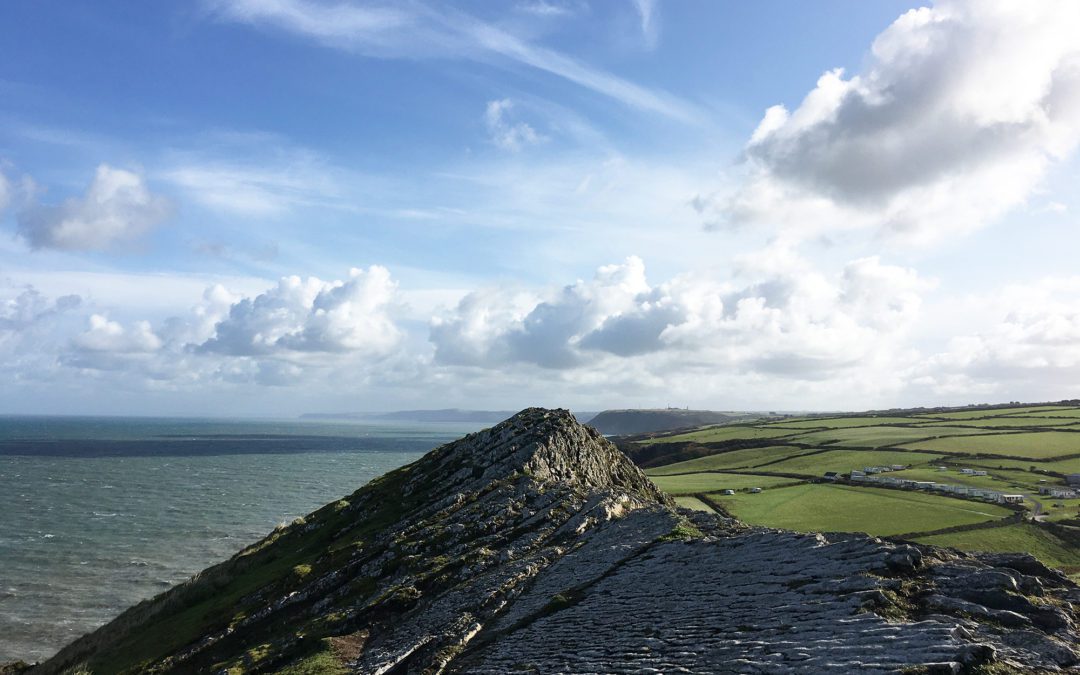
x,y
104,335
957,116
117,207
795,323
311,315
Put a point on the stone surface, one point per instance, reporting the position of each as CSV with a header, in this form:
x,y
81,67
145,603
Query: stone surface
x,y
535,546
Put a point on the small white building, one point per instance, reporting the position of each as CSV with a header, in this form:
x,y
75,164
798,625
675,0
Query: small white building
x,y
924,484
978,473
898,467
967,471
1012,499
727,492
755,490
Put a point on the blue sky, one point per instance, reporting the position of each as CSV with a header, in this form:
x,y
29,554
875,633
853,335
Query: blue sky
x,y
273,206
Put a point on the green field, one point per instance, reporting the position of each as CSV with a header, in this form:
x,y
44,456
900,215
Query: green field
x,y
1069,509
1050,412
875,437
841,422
1000,422
1034,445
1030,411
693,503
732,459
1020,538
723,433
695,483
1059,466
1002,481
1006,442
824,508
843,461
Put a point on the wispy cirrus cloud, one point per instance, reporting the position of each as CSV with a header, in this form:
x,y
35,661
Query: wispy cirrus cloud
x,y
414,30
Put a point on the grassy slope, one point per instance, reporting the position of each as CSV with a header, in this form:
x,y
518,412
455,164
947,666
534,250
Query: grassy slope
x,y
843,461
1034,445
876,437
1004,422
724,433
733,459
842,422
856,509
693,503
209,601
1022,537
713,482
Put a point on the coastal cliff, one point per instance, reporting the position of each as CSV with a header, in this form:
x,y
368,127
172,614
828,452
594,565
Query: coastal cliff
x,y
536,546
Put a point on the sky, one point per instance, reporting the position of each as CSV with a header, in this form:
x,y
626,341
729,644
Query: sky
x,y
270,207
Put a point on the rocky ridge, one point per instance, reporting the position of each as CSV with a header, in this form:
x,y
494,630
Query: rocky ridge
x,y
536,546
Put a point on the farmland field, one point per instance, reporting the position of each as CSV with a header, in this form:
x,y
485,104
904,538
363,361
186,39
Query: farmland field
x,y
693,503
1006,422
818,508
1034,445
842,422
1021,448
1002,481
875,437
1051,412
846,460
1060,466
723,433
1020,537
1032,411
732,459
694,483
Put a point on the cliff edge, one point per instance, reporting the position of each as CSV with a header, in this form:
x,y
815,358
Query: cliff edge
x,y
536,546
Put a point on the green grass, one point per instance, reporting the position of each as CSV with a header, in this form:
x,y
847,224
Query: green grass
x,y
999,422
723,433
1053,412
1031,411
321,662
842,422
712,482
732,459
1034,445
1059,466
875,437
843,461
1019,538
1069,509
1002,481
693,503
823,508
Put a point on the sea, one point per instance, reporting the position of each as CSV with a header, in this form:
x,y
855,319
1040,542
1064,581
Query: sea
x,y
97,514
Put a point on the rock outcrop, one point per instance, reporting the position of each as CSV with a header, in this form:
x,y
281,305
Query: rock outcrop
x,y
536,546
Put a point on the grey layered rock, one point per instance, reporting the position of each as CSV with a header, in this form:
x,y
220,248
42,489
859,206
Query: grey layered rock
x,y
536,546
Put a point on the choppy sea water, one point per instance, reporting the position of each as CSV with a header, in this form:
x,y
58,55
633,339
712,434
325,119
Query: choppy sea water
x,y
99,513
